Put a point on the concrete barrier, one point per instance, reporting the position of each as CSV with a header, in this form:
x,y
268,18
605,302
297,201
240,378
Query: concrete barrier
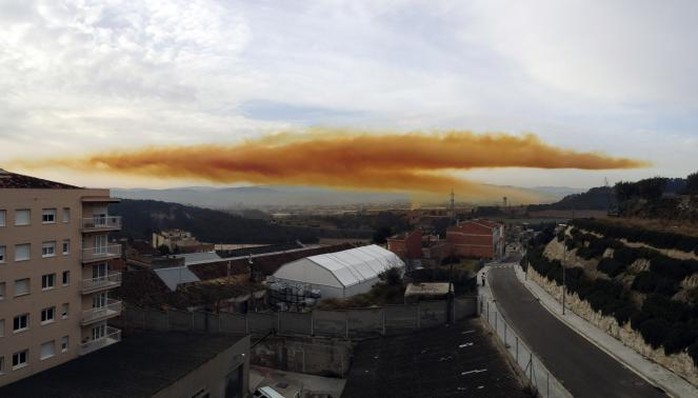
x,y
233,323
364,323
261,323
465,307
400,317
295,323
432,313
330,323
180,320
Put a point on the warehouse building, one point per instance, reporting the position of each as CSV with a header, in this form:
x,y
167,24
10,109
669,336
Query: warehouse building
x,y
340,274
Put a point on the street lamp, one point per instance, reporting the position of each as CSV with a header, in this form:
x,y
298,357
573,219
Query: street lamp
x,y
564,284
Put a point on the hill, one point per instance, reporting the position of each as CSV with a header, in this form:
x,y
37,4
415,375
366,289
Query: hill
x,y
599,198
142,217
260,197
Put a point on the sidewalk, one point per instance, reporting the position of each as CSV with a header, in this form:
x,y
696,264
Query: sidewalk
x,y
655,374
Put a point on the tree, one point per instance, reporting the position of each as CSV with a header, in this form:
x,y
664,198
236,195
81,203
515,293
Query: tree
x,y
692,183
382,234
625,191
164,250
651,188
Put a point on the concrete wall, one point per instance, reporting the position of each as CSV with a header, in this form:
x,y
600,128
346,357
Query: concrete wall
x,y
305,355
348,324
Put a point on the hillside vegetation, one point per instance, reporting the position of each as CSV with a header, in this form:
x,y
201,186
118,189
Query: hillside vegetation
x,y
657,295
143,217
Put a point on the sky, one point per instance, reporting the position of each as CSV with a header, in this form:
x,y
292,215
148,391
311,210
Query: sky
x,y
614,77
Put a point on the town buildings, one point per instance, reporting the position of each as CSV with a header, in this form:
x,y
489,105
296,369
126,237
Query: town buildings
x,y
476,238
55,274
179,241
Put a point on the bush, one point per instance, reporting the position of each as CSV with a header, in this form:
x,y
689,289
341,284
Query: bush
x,y
654,331
611,267
650,282
693,352
679,337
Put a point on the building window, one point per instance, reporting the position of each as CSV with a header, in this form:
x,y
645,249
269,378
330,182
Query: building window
x,y
2,328
2,290
48,349
2,365
22,252
66,278
2,254
48,249
3,216
64,343
20,323
48,216
48,315
48,281
66,246
22,287
66,214
23,217
64,310
19,359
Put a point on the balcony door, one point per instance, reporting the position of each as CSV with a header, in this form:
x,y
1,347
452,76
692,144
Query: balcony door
x,y
99,300
99,216
101,244
99,332
100,271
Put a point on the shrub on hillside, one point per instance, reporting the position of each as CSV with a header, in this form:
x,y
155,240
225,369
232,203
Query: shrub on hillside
x,y
611,267
654,331
650,282
679,337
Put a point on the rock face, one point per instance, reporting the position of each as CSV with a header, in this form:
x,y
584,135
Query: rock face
x,y
681,363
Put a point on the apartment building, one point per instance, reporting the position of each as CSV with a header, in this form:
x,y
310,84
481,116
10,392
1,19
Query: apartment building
x,y
476,238
55,274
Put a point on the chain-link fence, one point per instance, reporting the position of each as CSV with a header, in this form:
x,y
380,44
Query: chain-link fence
x,y
539,377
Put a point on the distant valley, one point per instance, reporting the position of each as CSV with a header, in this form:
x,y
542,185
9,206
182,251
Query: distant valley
x,y
266,197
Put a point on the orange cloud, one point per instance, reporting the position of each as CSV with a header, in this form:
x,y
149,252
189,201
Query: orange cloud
x,y
413,162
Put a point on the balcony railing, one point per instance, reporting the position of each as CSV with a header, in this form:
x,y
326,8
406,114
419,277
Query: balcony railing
x,y
113,336
100,253
101,223
112,309
109,281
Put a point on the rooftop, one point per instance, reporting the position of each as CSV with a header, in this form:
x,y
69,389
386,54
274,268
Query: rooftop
x,y
19,181
427,288
139,366
446,361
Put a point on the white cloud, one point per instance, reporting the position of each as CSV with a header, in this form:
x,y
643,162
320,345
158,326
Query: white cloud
x,y
100,74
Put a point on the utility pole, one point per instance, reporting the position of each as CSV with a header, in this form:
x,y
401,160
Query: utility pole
x,y
564,260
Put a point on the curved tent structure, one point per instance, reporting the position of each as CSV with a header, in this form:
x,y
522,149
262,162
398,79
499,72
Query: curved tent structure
x,y
341,274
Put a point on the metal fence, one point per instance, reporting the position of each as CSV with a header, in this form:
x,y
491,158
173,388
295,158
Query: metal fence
x,y
349,324
539,377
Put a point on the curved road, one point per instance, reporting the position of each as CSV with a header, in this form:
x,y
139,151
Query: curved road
x,y
584,369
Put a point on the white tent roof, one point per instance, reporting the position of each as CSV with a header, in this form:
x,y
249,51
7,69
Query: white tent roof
x,y
350,267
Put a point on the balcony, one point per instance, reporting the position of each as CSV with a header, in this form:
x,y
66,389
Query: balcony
x,y
109,281
113,336
112,309
100,253
108,223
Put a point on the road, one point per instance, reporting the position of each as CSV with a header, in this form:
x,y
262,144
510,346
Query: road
x,y
584,369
